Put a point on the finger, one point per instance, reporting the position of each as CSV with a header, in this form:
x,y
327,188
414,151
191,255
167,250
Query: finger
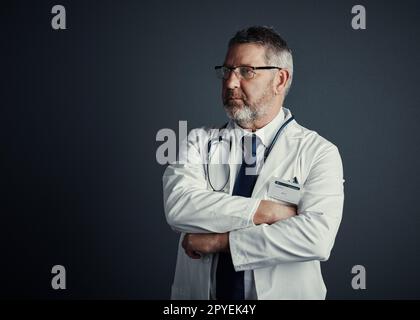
x,y
192,254
185,241
197,255
291,210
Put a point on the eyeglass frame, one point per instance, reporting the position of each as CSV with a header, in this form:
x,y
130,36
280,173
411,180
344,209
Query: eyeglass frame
x,y
232,69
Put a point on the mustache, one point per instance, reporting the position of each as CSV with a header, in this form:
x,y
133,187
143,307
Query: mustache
x,y
231,94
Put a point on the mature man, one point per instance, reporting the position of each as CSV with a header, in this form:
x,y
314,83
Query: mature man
x,y
240,239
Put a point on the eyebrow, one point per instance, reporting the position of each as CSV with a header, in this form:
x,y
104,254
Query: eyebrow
x,y
239,65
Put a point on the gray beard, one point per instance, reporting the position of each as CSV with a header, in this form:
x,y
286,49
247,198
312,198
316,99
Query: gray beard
x,y
244,116
247,115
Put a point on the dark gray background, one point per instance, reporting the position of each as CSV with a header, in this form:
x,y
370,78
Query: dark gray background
x,y
80,110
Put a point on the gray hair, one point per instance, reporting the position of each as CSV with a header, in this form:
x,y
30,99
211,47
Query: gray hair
x,y
277,52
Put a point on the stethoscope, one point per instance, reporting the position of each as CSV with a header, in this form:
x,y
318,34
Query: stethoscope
x,y
220,139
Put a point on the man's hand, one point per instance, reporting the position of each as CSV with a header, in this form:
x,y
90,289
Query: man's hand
x,y
197,244
270,212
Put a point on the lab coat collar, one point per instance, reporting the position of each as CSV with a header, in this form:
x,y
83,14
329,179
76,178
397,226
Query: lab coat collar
x,y
293,130
287,139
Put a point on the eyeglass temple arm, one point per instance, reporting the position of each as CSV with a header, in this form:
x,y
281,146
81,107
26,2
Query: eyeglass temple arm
x,y
254,68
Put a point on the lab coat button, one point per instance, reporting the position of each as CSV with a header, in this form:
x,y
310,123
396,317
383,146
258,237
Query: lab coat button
x,y
206,259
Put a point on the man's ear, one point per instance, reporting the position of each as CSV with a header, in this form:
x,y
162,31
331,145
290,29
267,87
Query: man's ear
x,y
281,80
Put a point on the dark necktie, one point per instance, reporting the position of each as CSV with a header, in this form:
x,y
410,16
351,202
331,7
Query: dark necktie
x,y
229,283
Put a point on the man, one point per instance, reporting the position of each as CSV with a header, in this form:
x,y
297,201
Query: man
x,y
240,240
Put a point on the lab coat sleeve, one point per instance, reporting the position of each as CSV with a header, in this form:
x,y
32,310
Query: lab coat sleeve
x,y
308,236
190,207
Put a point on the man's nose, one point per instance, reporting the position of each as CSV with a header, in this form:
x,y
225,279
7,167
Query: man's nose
x,y
232,80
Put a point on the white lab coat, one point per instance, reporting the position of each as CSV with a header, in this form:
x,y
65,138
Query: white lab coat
x,y
284,256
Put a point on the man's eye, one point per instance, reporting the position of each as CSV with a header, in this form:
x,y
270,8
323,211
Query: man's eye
x,y
246,72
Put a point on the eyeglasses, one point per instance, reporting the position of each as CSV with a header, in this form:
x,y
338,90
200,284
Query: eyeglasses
x,y
242,72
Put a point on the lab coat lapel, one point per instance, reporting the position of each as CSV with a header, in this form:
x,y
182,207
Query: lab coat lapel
x,y
283,146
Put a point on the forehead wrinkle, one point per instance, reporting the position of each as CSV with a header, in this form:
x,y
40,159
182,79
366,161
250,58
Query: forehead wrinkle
x,y
254,56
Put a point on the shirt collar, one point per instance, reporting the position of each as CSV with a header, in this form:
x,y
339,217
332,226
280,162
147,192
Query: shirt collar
x,y
266,133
